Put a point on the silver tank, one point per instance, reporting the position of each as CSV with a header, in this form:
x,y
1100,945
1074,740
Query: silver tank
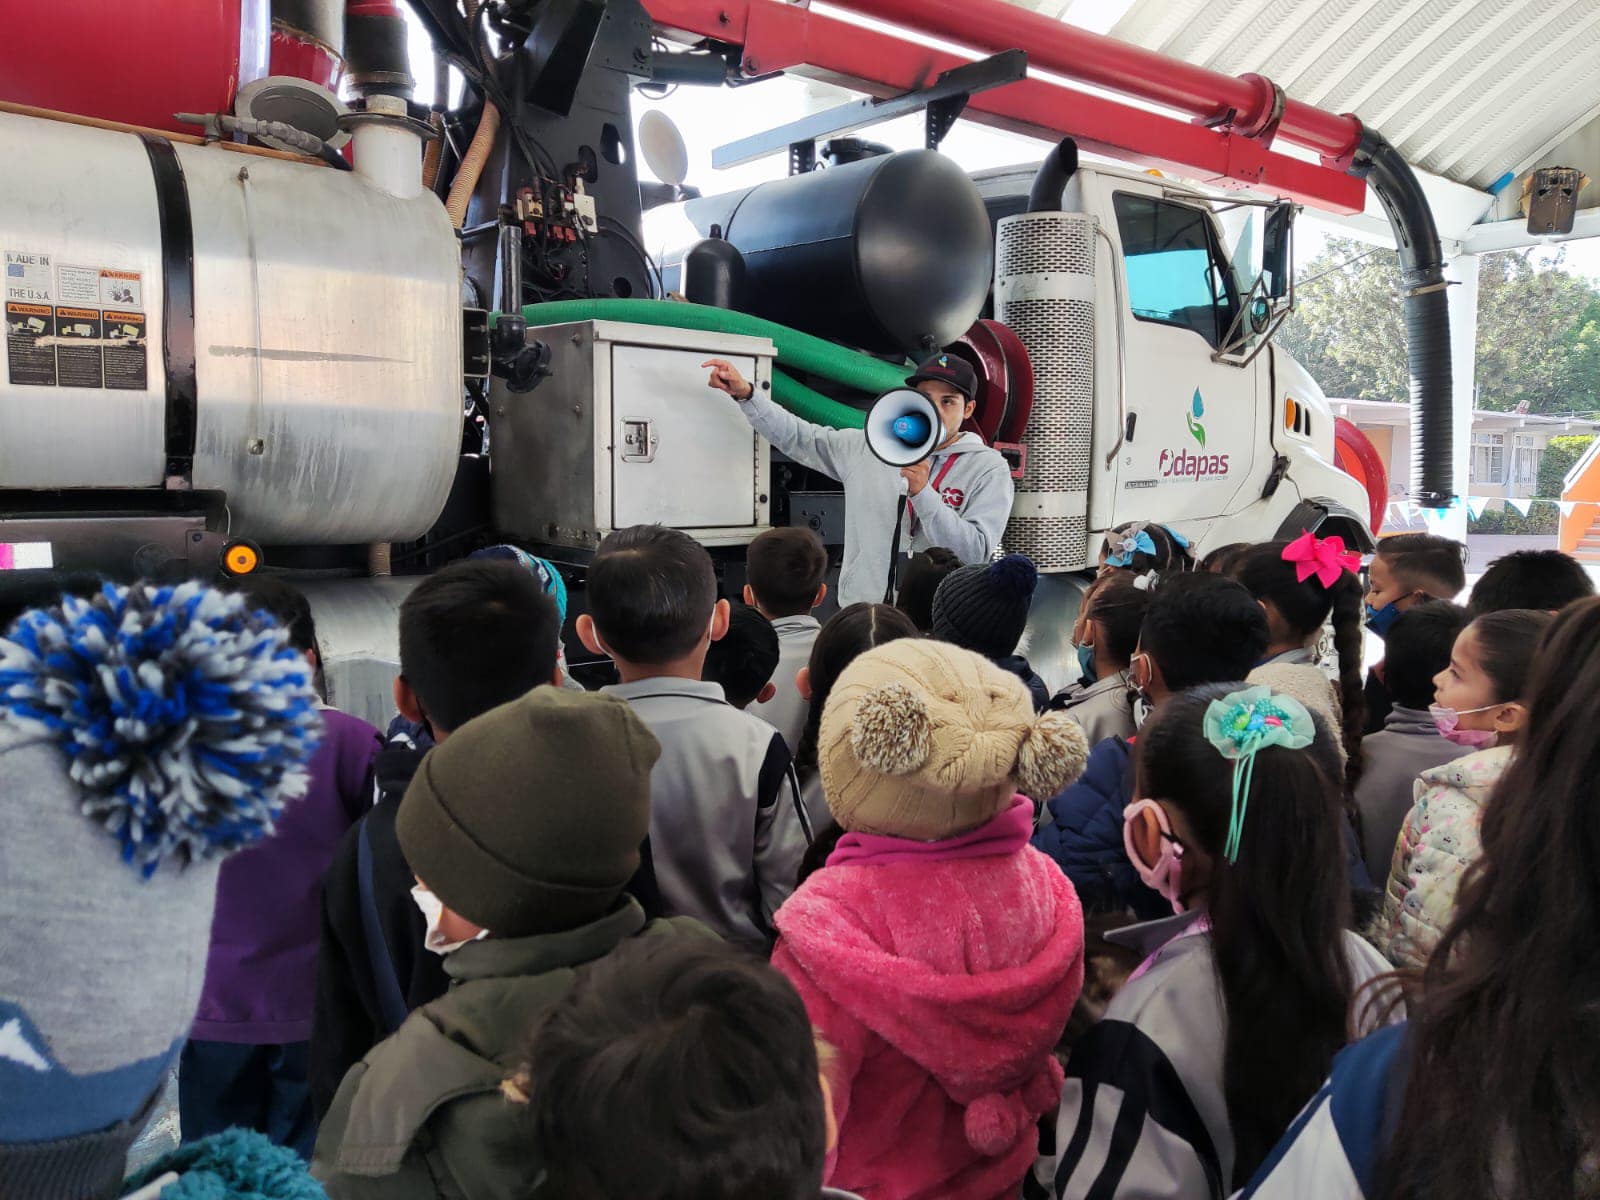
x,y
327,334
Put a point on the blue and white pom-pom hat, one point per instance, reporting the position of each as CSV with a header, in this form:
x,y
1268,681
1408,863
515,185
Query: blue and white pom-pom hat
x,y
145,733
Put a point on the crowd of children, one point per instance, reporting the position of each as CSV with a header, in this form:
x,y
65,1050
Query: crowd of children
x,y
800,907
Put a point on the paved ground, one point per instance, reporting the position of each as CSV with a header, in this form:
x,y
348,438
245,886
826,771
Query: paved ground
x,y
1483,549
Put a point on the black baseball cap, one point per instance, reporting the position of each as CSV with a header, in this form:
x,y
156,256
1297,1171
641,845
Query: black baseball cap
x,y
948,368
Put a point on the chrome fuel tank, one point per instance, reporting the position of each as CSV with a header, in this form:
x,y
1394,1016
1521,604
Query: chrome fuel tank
x,y
324,395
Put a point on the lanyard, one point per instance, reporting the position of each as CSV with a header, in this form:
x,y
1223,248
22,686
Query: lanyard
x,y
899,520
934,484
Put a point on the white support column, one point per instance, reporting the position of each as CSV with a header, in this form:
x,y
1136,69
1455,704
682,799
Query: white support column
x,y
1463,270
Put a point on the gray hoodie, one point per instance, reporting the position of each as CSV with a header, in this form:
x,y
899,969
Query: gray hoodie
x,y
967,513
1408,745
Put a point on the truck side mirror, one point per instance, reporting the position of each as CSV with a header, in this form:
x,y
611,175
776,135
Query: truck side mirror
x,y
1275,242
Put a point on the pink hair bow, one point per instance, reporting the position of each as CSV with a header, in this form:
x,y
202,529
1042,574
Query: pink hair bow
x,y
1326,558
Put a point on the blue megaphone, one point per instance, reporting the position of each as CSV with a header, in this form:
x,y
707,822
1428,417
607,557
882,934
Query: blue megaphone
x,y
903,427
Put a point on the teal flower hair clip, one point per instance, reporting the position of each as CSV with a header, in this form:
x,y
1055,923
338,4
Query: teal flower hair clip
x,y
1243,723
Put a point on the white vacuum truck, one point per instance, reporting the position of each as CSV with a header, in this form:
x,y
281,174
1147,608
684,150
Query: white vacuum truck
x,y
232,357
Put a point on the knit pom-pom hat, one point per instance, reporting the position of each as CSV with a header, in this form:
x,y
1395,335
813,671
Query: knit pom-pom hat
x,y
185,719
924,740
145,733
236,1164
985,607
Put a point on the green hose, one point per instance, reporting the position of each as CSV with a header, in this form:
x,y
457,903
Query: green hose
x,y
797,351
811,405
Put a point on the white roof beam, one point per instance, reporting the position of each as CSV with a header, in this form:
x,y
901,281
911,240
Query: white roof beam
x,y
1513,235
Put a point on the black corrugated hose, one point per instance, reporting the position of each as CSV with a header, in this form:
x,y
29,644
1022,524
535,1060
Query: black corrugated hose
x,y
1427,315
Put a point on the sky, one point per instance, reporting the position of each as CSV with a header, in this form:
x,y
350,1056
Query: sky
x,y
710,117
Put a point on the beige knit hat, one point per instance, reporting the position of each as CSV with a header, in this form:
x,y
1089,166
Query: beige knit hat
x,y
924,740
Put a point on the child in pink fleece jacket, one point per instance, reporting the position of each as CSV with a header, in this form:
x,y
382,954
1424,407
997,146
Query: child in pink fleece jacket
x,y
937,953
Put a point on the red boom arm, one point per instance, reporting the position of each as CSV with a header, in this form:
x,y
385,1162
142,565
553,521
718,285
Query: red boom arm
x,y
1229,143
1245,103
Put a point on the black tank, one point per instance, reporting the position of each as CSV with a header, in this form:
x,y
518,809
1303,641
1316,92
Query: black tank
x,y
891,254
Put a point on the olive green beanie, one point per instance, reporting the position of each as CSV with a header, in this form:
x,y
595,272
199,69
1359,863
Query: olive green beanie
x,y
529,818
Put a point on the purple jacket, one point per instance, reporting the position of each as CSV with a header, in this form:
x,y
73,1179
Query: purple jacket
x,y
261,973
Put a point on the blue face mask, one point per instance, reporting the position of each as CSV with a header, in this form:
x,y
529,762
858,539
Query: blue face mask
x,y
1379,619
1086,662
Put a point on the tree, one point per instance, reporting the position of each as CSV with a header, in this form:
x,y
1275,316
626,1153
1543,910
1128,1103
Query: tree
x,y
1347,328
1525,313
1582,380
1560,456
1538,329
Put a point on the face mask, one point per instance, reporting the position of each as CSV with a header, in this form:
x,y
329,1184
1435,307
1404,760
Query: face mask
x,y
432,912
1166,877
1086,662
1447,720
1379,619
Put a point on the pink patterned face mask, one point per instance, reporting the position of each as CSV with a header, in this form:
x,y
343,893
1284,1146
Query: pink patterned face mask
x,y
1448,721
1166,876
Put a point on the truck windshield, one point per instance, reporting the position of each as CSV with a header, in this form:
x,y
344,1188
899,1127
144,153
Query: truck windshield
x,y
1176,271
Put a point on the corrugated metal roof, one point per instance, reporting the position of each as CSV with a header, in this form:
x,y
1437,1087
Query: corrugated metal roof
x,y
1467,89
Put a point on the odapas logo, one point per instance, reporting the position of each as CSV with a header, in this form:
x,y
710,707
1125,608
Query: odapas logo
x,y
1181,463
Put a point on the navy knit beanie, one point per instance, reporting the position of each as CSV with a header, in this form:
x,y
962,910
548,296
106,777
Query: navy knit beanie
x,y
985,607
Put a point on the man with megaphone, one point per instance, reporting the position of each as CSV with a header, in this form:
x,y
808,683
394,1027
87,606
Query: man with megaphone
x,y
911,456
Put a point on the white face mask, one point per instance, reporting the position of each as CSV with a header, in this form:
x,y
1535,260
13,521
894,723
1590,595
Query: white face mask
x,y
432,912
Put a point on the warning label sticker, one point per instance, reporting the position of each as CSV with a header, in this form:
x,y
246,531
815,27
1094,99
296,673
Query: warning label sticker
x,y
27,277
125,349
28,362
121,289
72,326
78,360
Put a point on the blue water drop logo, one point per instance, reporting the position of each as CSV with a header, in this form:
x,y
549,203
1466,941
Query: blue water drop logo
x,y
1197,409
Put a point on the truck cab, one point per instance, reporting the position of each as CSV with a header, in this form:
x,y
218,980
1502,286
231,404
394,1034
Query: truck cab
x,y
1199,422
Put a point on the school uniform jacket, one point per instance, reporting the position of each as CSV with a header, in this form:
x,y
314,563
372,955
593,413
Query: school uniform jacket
x,y
1143,1115
787,710
727,828
1333,1149
1104,708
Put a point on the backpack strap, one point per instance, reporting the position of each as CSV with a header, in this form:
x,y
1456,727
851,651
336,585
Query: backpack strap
x,y
386,981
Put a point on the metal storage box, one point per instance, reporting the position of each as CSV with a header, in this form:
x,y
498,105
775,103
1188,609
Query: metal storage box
x,y
626,432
